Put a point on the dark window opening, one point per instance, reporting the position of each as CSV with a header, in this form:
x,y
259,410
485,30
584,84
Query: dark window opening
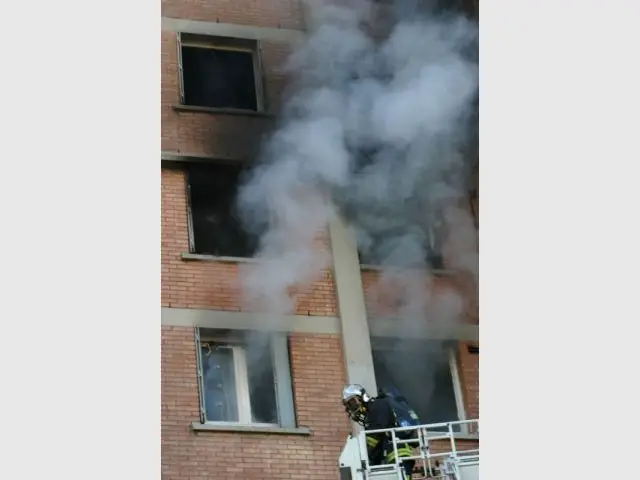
x,y
405,247
219,78
216,228
262,390
421,371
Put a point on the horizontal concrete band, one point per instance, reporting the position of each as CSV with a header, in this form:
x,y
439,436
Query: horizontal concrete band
x,y
379,327
205,318
230,30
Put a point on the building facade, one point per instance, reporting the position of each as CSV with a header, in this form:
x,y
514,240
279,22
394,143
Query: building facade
x,y
243,397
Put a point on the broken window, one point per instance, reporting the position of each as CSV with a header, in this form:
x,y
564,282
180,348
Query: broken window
x,y
425,372
244,378
215,227
219,72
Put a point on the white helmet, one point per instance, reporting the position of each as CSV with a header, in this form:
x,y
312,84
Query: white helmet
x,y
355,399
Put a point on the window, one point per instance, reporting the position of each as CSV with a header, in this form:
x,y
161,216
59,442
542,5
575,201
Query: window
x,y
214,224
407,232
425,372
397,246
219,72
244,378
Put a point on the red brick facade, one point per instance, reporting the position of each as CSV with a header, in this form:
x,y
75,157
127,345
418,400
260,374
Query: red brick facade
x,y
317,365
209,284
318,376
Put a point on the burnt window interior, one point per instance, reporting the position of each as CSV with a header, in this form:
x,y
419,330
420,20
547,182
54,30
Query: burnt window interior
x,y
394,247
421,371
262,387
404,233
215,226
219,77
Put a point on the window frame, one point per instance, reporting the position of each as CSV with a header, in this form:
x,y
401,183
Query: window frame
x,y
279,353
380,344
254,47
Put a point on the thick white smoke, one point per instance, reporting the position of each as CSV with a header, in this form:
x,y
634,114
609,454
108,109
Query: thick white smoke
x,y
374,129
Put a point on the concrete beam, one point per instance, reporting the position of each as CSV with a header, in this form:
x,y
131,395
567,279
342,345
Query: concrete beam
x,y
353,314
387,327
173,159
379,326
205,318
230,30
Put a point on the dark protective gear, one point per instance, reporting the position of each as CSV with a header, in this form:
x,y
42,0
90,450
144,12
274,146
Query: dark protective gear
x,y
376,414
380,415
404,415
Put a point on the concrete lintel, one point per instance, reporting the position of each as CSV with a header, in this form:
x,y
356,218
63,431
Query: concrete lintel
x,y
186,256
230,30
175,158
387,327
441,272
205,318
379,327
207,427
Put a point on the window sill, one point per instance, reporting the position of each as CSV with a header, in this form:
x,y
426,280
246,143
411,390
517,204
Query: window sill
x,y
442,272
185,256
221,111
204,427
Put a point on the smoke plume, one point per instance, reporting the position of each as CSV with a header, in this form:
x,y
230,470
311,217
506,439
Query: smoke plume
x,y
375,128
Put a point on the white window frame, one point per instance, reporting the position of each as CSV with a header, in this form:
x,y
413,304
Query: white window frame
x,y
243,397
281,373
224,43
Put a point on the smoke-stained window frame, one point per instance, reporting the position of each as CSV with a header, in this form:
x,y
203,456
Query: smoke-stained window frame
x,y
216,42
278,343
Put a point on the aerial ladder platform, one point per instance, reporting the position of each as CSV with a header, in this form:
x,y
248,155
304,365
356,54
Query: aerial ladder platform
x,y
437,453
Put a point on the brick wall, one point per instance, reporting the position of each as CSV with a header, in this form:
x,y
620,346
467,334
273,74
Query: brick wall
x,y
469,377
384,295
318,376
262,13
208,284
217,134
316,360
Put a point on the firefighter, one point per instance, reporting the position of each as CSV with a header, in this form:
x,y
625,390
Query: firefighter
x,y
375,414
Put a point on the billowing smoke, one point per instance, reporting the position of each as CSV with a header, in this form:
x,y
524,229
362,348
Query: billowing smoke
x,y
375,128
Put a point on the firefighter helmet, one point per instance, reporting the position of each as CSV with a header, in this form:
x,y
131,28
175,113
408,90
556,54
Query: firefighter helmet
x,y
355,400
